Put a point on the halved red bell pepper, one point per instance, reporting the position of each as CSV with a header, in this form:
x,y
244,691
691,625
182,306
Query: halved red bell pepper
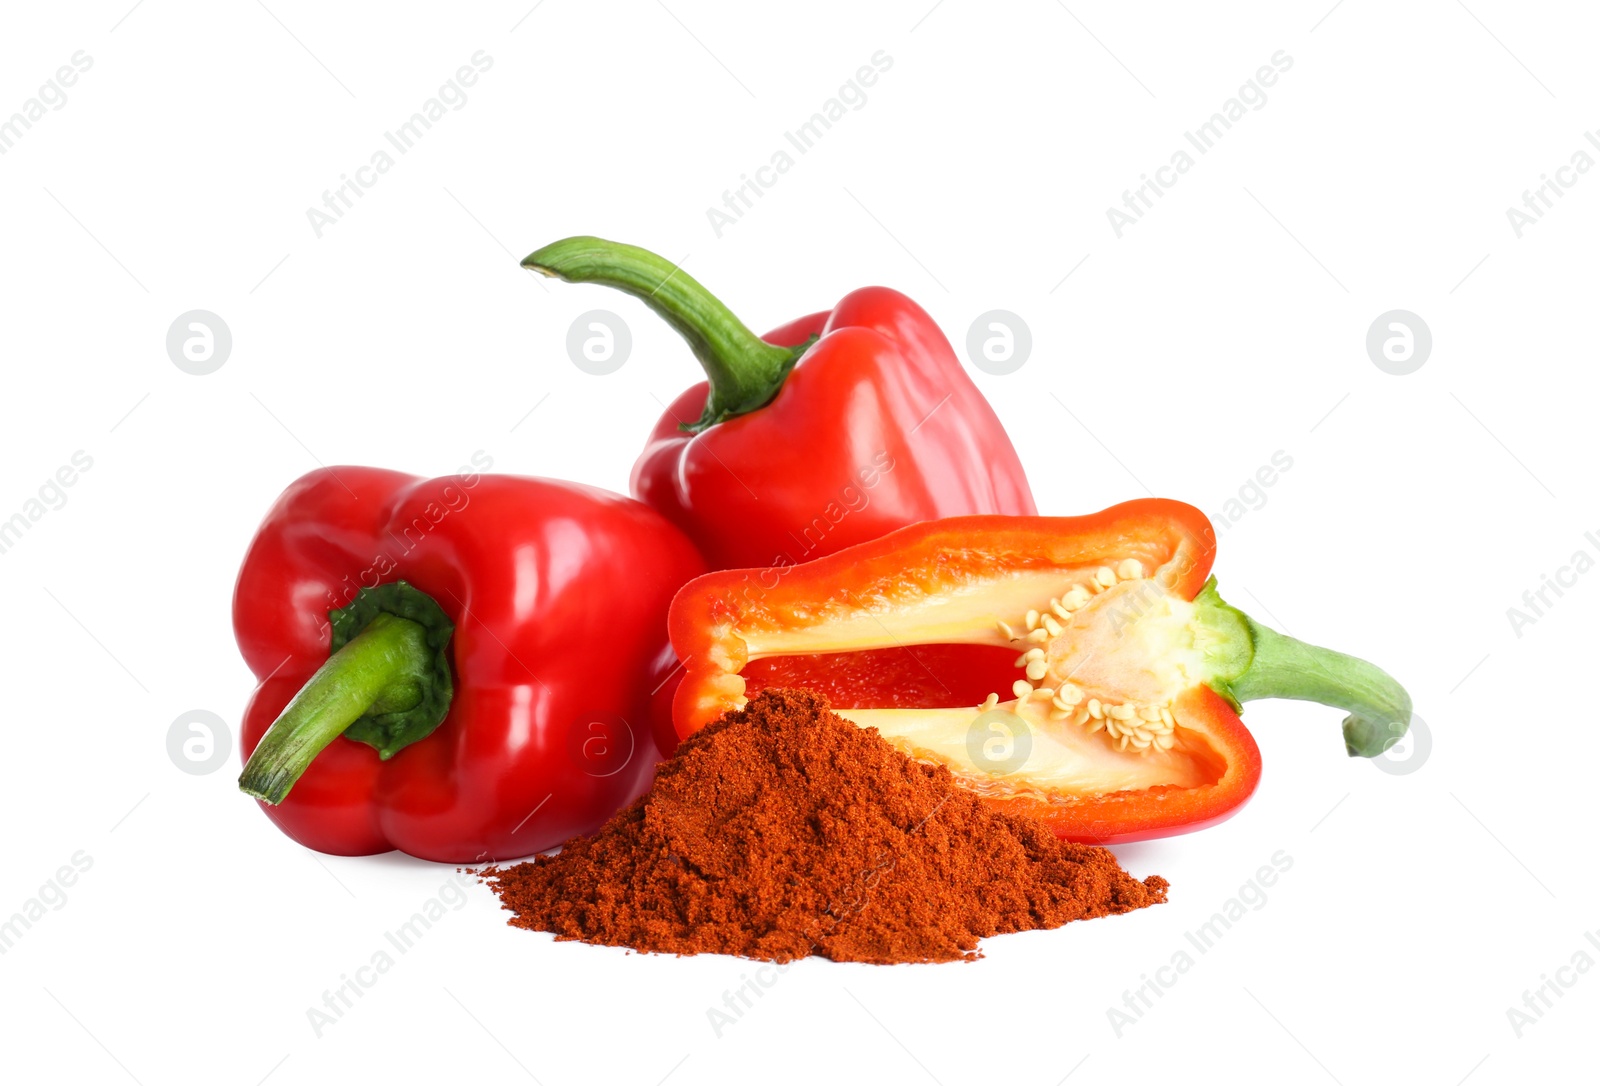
x,y
1114,670
459,668
830,431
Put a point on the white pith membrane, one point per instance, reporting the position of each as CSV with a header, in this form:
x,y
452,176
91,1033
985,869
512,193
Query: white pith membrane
x,y
1104,653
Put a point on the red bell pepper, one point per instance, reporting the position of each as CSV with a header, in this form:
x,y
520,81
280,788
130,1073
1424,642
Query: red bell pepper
x,y
495,641
1122,722
832,430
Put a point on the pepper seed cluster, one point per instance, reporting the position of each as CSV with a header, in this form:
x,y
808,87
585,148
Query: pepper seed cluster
x,y
1131,725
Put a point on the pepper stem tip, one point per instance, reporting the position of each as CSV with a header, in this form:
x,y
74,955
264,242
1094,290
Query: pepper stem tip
x,y
744,371
1274,665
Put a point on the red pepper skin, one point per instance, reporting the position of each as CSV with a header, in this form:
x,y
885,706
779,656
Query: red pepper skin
x,y
1120,817
876,427
558,593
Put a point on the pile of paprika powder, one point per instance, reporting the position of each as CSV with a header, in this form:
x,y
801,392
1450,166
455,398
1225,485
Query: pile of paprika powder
x,y
783,830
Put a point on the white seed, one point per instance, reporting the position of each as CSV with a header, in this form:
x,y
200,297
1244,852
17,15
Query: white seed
x,y
990,702
1041,636
1105,576
1059,713
1032,619
1070,694
1096,710
1164,742
1120,712
1021,661
1034,654
1075,598
1140,744
1130,569
1094,725
1006,631
1151,713
1166,718
1142,734
1112,729
1061,612
1052,625
1022,688
1044,693
1036,669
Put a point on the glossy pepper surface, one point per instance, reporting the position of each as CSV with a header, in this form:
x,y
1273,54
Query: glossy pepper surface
x,y
495,641
830,431
1080,669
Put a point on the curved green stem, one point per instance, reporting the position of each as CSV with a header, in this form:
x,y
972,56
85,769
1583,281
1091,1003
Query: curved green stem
x,y
1379,707
745,370
1268,664
383,669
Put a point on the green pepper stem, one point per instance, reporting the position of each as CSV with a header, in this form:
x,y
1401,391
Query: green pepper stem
x,y
380,670
1278,666
745,371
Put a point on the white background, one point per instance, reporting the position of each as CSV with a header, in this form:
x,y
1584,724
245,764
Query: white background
x,y
1227,325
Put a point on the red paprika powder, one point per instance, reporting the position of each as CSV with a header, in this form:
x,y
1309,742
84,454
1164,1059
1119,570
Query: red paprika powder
x,y
782,830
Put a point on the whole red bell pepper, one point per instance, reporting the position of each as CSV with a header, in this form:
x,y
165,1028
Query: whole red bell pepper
x,y
1080,669
830,431
494,644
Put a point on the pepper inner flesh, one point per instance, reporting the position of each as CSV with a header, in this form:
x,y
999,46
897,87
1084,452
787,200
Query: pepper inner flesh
x,y
1104,654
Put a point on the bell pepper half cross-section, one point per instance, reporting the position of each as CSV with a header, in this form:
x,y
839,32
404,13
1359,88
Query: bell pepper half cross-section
x,y
1114,671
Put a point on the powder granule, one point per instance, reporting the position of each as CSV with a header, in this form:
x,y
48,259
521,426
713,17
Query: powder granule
x,y
783,830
